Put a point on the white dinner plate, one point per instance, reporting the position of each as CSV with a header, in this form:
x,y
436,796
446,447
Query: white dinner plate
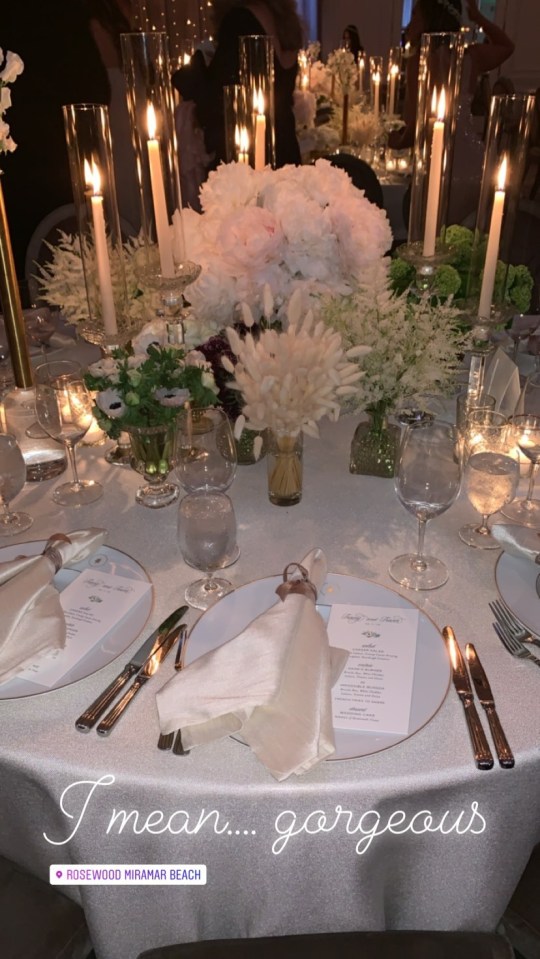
x,y
118,639
234,612
516,579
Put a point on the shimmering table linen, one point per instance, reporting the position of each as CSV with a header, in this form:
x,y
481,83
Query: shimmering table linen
x,y
281,857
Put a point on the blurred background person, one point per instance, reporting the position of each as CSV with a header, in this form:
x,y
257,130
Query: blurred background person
x,y
234,19
351,40
61,65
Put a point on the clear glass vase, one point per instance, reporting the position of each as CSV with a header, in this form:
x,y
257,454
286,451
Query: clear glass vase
x,y
153,455
375,445
284,463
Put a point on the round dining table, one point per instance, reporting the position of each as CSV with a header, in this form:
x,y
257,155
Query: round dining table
x,y
410,837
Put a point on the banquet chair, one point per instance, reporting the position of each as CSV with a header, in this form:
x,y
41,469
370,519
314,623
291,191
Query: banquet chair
x,y
361,174
37,921
345,945
521,921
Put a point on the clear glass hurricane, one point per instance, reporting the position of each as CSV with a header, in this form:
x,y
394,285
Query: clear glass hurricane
x,y
64,410
490,473
207,540
206,455
12,480
427,481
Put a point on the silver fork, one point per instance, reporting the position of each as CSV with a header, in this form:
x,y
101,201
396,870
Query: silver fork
x,y
506,618
513,645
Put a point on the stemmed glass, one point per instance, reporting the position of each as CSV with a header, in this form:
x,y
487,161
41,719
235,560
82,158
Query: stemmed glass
x,y
526,432
64,410
526,511
491,473
12,480
427,482
207,539
40,329
206,453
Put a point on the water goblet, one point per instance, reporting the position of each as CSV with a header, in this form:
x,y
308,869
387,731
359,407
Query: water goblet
x,y
207,539
427,482
206,452
12,480
526,511
64,410
40,328
491,473
526,433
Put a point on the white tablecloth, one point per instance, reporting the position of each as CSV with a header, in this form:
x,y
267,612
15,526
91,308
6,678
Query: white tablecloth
x,y
219,806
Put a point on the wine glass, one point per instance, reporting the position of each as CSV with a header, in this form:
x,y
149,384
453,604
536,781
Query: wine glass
x,y
491,473
12,480
206,453
64,410
207,539
6,373
40,328
427,482
526,510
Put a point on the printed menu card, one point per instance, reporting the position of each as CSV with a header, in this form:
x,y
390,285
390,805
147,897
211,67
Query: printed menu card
x,y
374,690
93,605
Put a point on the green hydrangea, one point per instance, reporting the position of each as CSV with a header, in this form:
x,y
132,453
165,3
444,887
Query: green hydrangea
x,y
401,275
447,281
520,292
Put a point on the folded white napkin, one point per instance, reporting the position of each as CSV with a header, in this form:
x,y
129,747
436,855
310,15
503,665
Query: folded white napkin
x,y
501,380
518,540
271,685
32,618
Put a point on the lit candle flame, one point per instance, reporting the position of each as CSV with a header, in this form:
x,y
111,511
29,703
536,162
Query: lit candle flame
x,y
441,109
376,77
244,140
258,102
151,121
434,101
394,70
92,177
502,175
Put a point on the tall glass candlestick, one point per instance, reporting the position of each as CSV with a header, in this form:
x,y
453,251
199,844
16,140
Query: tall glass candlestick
x,y
441,57
94,191
151,109
257,77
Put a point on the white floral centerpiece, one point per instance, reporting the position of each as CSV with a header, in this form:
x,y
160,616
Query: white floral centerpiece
x,y
414,345
415,349
298,228
289,380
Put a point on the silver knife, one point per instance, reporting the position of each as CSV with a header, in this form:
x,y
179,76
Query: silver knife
x,y
482,752
145,673
483,691
89,718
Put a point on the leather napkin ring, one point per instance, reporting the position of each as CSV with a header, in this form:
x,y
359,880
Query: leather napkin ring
x,y
301,584
54,554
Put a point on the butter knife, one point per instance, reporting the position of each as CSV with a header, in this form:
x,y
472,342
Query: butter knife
x,y
89,718
483,691
144,674
481,750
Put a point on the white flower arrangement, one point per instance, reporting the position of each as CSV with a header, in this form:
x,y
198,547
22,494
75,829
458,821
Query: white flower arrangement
x,y
62,282
414,345
341,65
13,67
292,378
305,228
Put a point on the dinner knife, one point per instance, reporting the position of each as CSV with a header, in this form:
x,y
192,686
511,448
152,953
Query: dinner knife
x,y
89,718
483,691
144,674
482,752
166,740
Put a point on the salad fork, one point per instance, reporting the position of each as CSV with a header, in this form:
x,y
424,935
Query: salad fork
x,y
513,645
506,618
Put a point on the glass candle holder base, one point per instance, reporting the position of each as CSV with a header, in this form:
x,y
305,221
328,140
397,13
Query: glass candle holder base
x,y
94,333
425,266
168,291
120,454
